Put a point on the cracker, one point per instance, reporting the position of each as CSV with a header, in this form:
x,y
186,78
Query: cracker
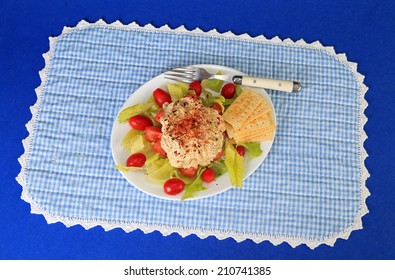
x,y
242,107
249,118
267,136
262,109
259,124
229,129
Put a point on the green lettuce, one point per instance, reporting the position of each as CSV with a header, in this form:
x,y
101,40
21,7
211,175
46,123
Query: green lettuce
x,y
125,168
176,91
235,165
154,162
239,89
134,110
135,142
161,174
128,138
184,87
213,84
219,167
196,186
254,149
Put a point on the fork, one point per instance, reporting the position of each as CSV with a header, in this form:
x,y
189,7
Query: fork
x,y
188,74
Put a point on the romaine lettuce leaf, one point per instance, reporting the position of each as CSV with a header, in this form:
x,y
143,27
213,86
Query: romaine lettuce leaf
x,y
239,89
184,87
128,138
196,186
213,84
254,149
139,144
162,173
235,165
135,142
154,162
176,91
219,167
125,168
134,110
211,99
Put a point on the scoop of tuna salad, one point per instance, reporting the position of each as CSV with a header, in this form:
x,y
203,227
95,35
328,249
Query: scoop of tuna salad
x,y
192,133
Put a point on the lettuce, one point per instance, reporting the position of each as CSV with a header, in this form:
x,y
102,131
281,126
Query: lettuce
x,y
213,84
184,87
219,167
254,149
196,186
128,138
154,162
235,165
153,109
140,144
135,142
239,89
211,99
185,179
125,168
134,110
176,91
162,173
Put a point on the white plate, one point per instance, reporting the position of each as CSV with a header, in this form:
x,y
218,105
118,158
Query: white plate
x,y
140,180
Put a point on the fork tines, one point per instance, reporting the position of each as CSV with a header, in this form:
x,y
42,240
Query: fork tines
x,y
183,74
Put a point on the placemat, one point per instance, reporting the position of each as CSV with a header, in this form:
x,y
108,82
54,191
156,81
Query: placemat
x,y
310,189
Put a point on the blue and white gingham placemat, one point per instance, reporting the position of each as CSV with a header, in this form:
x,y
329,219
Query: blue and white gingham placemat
x,y
310,189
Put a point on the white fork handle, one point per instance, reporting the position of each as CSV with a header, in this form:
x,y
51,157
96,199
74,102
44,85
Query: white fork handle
x,y
282,85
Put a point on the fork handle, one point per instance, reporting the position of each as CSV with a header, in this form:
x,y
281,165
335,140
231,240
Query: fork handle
x,y
281,85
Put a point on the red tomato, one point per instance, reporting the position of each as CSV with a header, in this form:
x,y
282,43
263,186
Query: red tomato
x,y
161,97
193,96
189,172
196,86
241,150
136,160
219,155
139,122
159,115
158,149
228,90
208,175
217,107
153,133
173,186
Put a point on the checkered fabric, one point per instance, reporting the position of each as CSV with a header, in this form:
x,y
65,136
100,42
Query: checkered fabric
x,y
308,188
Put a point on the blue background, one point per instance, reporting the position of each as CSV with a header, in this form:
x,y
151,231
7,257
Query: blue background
x,y
364,30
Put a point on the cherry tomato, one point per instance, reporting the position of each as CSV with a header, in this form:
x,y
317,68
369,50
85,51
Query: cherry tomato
x,y
161,97
158,149
193,96
136,160
139,122
153,133
208,175
219,155
196,86
217,107
228,90
241,150
173,186
159,115
189,172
